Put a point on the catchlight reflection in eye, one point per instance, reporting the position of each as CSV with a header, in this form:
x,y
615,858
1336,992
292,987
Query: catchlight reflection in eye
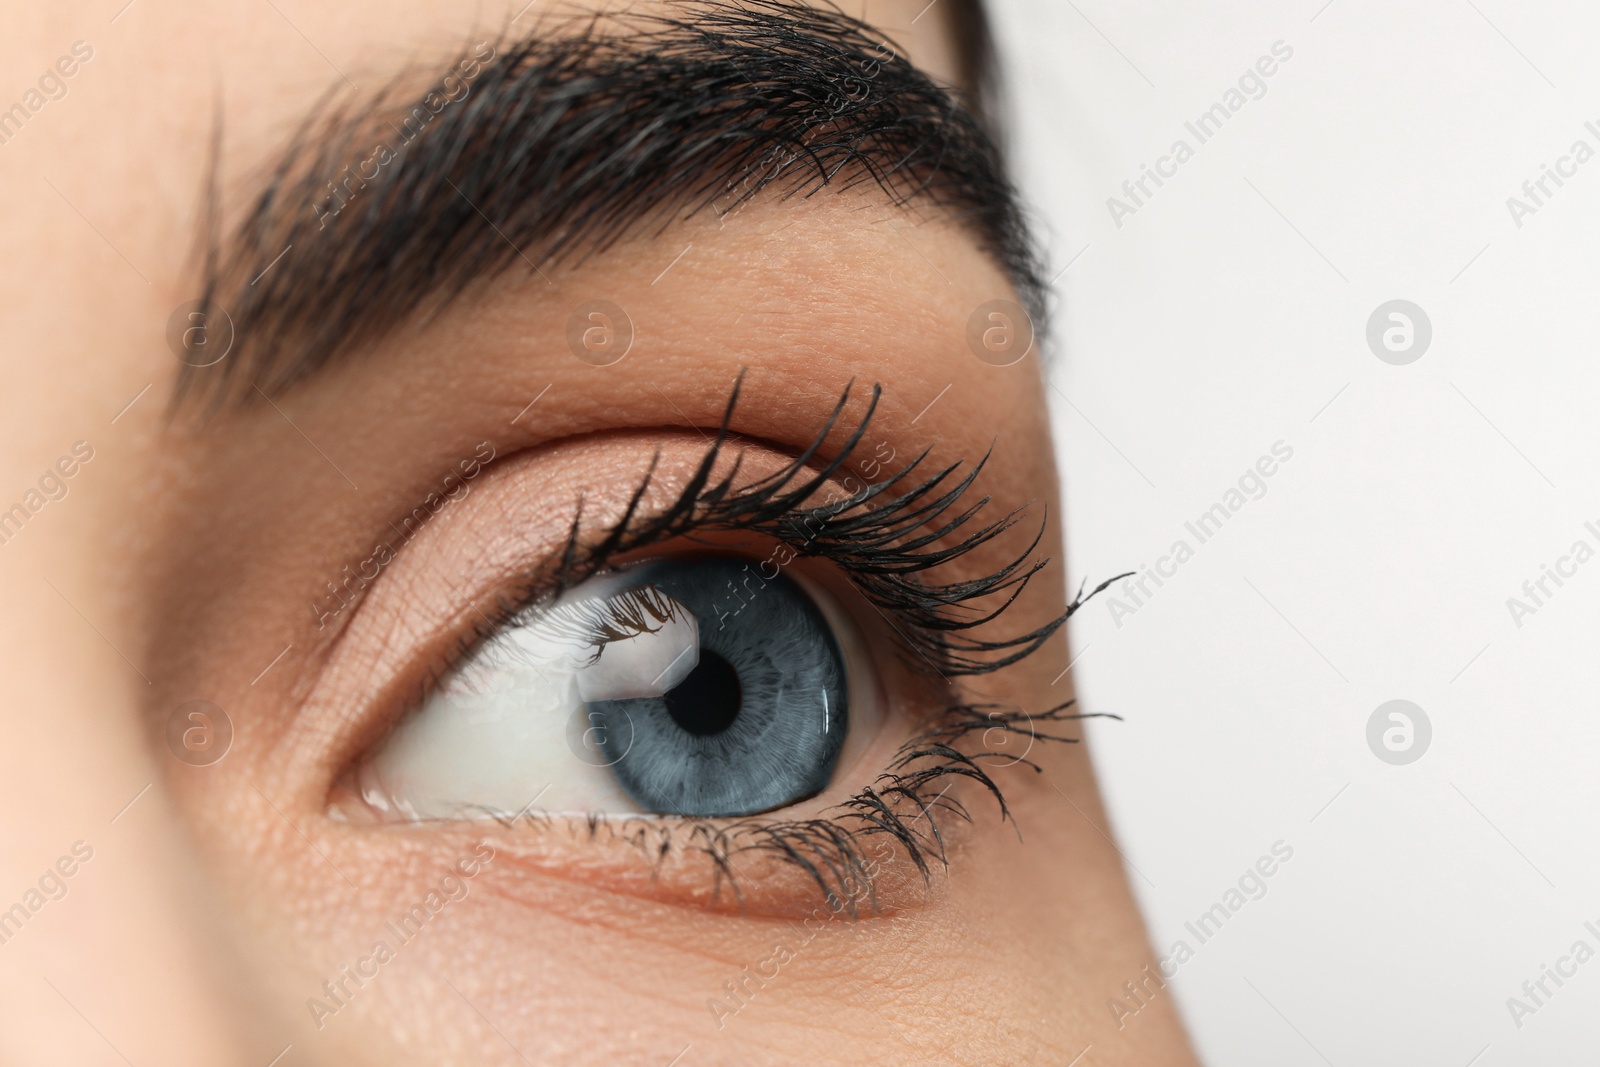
x,y
656,689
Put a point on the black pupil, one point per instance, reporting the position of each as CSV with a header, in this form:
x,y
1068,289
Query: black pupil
x,y
707,701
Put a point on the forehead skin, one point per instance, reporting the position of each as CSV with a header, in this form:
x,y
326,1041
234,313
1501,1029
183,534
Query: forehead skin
x,y
208,912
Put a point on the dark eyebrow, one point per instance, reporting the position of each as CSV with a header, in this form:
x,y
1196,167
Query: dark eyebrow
x,y
544,148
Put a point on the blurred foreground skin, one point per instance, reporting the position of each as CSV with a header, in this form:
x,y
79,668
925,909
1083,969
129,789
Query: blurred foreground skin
x,y
177,914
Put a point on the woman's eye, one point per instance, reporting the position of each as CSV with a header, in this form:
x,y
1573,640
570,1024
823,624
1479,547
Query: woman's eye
x,y
695,687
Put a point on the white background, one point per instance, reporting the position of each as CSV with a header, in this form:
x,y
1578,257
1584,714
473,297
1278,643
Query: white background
x,y
1229,313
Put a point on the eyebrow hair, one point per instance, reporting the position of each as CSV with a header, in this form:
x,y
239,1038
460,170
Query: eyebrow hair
x,y
539,150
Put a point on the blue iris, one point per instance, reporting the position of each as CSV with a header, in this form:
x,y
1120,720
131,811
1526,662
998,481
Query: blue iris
x,y
757,724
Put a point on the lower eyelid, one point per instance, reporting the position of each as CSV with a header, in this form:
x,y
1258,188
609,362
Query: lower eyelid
x,y
725,867
700,873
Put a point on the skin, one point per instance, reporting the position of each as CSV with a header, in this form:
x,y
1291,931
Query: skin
x,y
187,554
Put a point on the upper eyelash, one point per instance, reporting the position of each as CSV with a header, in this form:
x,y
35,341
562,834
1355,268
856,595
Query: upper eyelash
x,y
884,537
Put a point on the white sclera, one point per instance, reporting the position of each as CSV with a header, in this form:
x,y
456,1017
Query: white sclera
x,y
496,735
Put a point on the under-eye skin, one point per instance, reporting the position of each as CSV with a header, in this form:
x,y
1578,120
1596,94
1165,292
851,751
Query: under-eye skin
x,y
657,705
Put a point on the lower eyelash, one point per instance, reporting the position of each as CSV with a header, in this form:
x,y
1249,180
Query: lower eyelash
x,y
832,850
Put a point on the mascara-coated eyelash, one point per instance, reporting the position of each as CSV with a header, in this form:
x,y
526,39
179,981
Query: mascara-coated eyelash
x,y
885,536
